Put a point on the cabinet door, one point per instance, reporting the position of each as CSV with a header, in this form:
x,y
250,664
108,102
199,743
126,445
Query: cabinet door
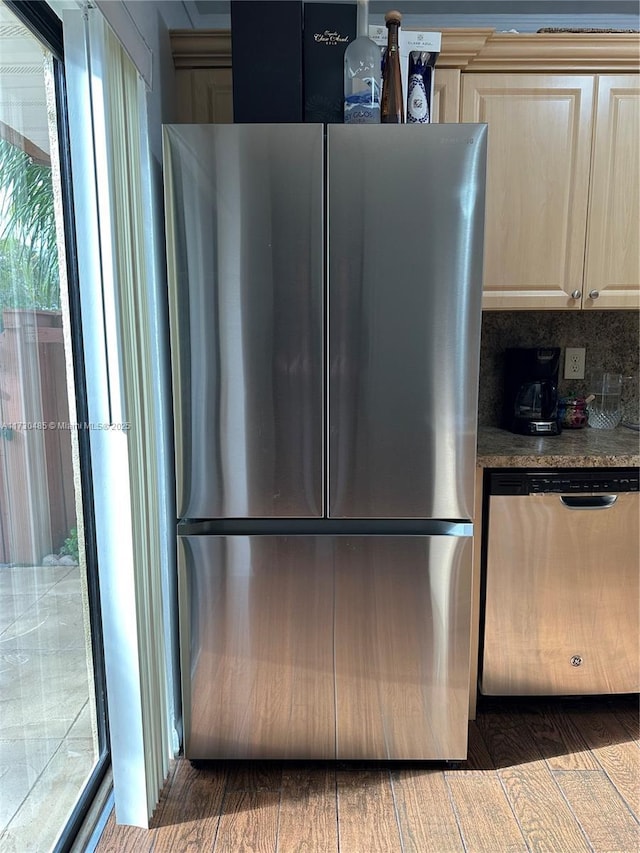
x,y
613,251
446,96
539,147
204,95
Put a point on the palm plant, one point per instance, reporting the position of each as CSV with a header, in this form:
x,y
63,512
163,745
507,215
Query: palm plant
x,y
28,249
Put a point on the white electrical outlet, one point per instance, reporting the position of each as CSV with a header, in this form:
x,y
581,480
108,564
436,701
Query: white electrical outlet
x,y
574,358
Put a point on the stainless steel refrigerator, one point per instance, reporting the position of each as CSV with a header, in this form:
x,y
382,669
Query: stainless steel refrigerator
x,y
325,304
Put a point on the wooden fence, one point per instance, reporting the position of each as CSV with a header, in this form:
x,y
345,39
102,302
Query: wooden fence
x,y
37,504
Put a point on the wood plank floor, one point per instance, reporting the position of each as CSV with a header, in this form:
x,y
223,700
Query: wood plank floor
x,y
559,776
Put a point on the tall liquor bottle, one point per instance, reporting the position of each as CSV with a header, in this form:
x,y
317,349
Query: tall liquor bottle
x,y
392,110
417,99
362,74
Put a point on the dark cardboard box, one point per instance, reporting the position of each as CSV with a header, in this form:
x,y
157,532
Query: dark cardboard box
x,y
266,52
328,29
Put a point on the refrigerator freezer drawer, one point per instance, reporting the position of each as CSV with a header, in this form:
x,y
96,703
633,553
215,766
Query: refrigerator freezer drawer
x,y
323,647
562,596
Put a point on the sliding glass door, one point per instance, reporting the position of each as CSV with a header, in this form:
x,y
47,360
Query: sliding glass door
x,y
53,739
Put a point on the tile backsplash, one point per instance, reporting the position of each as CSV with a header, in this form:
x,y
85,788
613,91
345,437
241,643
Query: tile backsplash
x,y
611,340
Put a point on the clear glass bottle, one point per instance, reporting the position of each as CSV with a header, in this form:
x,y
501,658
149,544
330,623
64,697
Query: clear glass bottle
x,y
362,74
392,107
417,99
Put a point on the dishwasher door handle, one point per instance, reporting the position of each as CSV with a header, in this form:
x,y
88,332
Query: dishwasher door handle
x,y
588,501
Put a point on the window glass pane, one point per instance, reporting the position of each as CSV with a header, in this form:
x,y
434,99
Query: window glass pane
x,y
48,720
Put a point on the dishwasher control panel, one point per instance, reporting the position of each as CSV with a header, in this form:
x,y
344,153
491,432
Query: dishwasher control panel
x,y
611,480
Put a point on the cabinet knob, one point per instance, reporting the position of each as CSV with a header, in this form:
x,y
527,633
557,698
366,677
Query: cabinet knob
x,y
593,294
576,294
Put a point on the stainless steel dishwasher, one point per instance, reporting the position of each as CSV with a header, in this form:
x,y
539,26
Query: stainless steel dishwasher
x,y
561,590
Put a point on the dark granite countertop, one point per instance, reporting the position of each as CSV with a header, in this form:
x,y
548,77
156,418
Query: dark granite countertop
x,y
579,448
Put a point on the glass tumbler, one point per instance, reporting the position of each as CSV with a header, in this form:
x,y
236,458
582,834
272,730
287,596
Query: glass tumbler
x,y
605,410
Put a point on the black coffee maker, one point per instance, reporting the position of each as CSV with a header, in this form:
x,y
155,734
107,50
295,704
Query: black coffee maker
x,y
531,390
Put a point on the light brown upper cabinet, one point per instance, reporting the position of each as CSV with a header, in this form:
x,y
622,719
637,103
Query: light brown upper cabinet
x,y
537,185
612,262
549,136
